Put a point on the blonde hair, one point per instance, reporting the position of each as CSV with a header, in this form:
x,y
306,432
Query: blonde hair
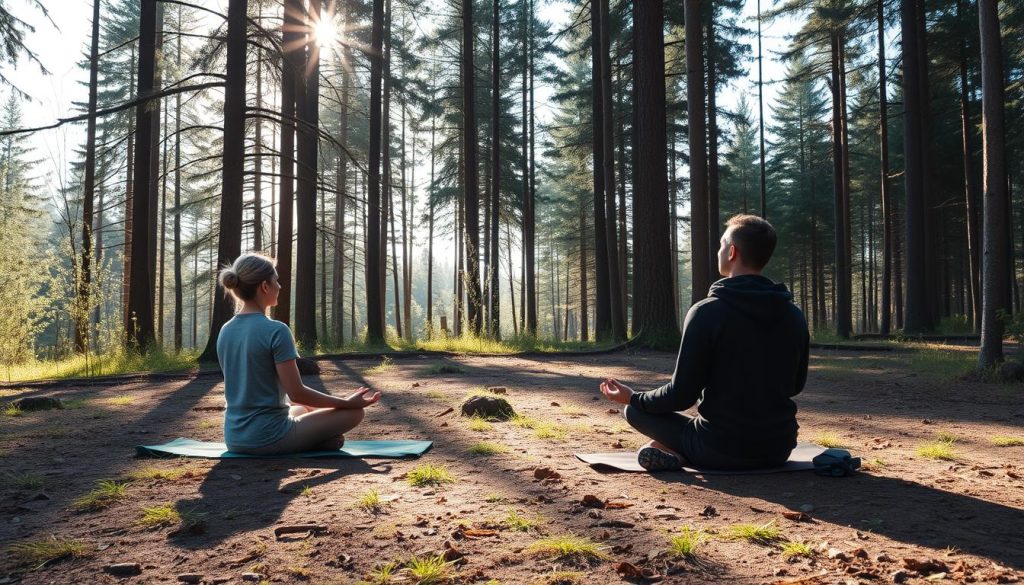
x,y
246,274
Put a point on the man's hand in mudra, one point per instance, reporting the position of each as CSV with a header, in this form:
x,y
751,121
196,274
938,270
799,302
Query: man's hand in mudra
x,y
616,391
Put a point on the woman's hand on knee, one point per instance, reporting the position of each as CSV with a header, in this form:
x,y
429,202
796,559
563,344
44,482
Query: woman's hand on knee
x,y
363,398
616,391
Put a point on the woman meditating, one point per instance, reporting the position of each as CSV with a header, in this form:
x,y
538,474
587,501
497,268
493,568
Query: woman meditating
x,y
257,356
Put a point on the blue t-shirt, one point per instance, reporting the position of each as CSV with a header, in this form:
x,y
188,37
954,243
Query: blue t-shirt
x,y
249,348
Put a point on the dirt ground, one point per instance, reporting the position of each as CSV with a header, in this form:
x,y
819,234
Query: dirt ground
x,y
903,518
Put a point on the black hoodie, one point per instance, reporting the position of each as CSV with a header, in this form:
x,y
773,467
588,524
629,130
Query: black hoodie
x,y
742,357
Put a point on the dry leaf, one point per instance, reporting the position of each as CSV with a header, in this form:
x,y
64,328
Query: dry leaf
x,y
592,501
546,473
796,516
925,567
617,505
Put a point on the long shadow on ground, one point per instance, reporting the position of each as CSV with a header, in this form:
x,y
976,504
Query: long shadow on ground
x,y
902,510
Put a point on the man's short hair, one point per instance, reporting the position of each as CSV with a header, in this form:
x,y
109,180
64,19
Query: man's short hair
x,y
754,238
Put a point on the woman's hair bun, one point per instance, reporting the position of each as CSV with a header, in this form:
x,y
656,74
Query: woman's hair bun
x,y
229,279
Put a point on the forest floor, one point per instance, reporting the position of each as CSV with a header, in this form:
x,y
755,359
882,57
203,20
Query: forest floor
x,y
904,518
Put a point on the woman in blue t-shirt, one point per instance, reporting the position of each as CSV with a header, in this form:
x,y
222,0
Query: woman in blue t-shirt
x,y
269,410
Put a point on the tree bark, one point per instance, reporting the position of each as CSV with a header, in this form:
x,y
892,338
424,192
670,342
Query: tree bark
x,y
139,324
83,328
305,194
996,269
230,243
615,302
654,316
883,140
374,276
916,313
291,66
178,301
602,313
699,230
471,184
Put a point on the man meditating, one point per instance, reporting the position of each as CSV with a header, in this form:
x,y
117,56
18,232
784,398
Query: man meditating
x,y
742,358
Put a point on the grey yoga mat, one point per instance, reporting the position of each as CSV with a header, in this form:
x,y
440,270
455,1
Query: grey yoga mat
x,y
799,460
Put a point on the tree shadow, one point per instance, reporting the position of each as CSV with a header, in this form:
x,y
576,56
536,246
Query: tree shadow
x,y
242,495
898,509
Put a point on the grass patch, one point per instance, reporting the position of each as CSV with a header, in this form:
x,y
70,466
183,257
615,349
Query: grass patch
x,y
370,501
946,437
436,396
572,411
25,480
306,491
829,440
119,362
479,424
939,449
1006,441
383,574
549,430
438,369
494,498
386,364
524,422
568,548
151,473
121,400
427,474
299,572
106,493
517,522
486,449
37,553
12,410
685,544
561,578
767,533
429,570
166,515
792,548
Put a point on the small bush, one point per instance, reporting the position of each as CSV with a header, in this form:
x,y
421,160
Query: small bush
x,y
429,570
941,450
370,501
12,410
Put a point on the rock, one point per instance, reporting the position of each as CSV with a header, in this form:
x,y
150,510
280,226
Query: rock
x,y
257,577
307,367
219,580
899,576
488,407
884,558
709,512
835,553
1012,371
38,403
124,569
190,578
497,389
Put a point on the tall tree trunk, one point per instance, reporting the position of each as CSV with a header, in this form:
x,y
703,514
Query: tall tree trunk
x,y
257,147
623,250
471,184
602,316
996,268
494,315
340,201
154,161
699,245
615,304
230,243
760,109
305,194
129,213
291,67
162,227
584,269
714,221
654,316
530,243
139,325
883,143
430,225
842,266
970,188
82,327
178,304
916,312
374,276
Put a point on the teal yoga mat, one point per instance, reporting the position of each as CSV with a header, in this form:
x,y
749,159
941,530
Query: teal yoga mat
x,y
799,460
182,447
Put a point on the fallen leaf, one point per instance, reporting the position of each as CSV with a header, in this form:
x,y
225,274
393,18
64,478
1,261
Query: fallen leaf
x,y
617,505
613,411
592,501
555,404
449,409
628,570
477,532
796,516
